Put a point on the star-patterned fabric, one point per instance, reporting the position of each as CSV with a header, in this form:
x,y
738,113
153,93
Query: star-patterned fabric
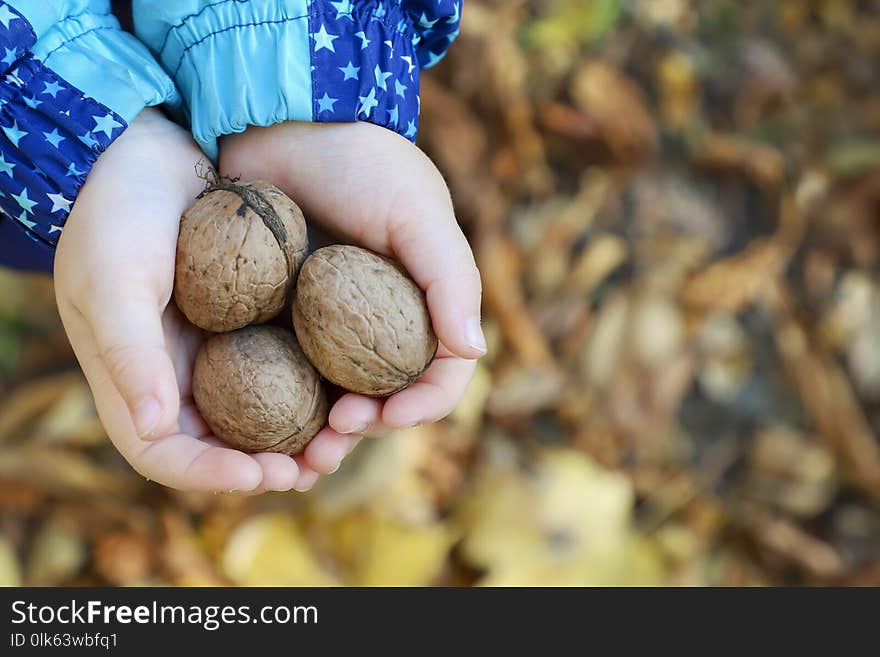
x,y
259,62
51,133
366,57
233,63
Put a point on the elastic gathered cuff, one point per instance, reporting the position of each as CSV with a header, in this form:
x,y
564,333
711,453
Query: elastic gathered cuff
x,y
235,63
238,63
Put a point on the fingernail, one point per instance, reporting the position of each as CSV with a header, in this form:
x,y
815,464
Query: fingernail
x,y
474,334
338,465
361,428
147,414
305,482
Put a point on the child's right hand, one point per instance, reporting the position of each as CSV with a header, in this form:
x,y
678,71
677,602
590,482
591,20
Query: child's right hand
x,y
114,272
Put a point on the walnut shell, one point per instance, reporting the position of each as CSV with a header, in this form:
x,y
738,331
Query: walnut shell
x,y
258,392
239,249
362,321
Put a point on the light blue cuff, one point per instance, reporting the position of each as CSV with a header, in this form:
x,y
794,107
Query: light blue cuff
x,y
236,63
83,43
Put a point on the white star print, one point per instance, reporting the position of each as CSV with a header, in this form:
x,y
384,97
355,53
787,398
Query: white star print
x,y
456,16
410,129
350,72
12,76
14,133
53,137
6,16
52,88
400,89
106,124
424,22
326,103
55,229
343,9
10,56
73,171
59,203
88,140
409,61
24,220
24,202
368,103
381,77
394,116
364,40
6,167
324,39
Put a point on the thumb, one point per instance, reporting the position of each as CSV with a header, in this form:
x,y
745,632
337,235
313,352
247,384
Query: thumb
x,y
131,342
435,252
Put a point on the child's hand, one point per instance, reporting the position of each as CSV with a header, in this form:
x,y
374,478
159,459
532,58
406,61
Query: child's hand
x,y
114,272
374,188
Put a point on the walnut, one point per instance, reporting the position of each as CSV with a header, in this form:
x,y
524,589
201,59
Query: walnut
x,y
257,392
240,247
362,321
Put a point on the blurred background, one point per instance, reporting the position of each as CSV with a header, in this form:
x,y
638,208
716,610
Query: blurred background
x,y
675,205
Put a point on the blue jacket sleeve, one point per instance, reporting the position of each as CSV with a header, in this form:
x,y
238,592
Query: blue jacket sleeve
x,y
70,82
259,62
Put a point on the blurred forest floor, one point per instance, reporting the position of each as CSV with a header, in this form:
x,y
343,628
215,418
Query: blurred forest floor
x,y
675,207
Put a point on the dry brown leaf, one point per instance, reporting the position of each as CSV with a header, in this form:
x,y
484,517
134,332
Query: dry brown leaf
x,y
30,401
502,289
759,161
619,108
731,284
123,558
787,540
64,471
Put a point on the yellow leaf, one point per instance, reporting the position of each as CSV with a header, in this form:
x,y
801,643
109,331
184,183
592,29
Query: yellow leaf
x,y
568,522
10,571
270,550
384,552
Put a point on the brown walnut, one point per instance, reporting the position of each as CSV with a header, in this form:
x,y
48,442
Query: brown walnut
x,y
362,321
258,392
240,247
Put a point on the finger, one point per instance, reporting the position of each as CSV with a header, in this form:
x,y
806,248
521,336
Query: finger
x,y
186,463
422,229
325,452
280,472
180,461
307,477
356,414
130,342
433,396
